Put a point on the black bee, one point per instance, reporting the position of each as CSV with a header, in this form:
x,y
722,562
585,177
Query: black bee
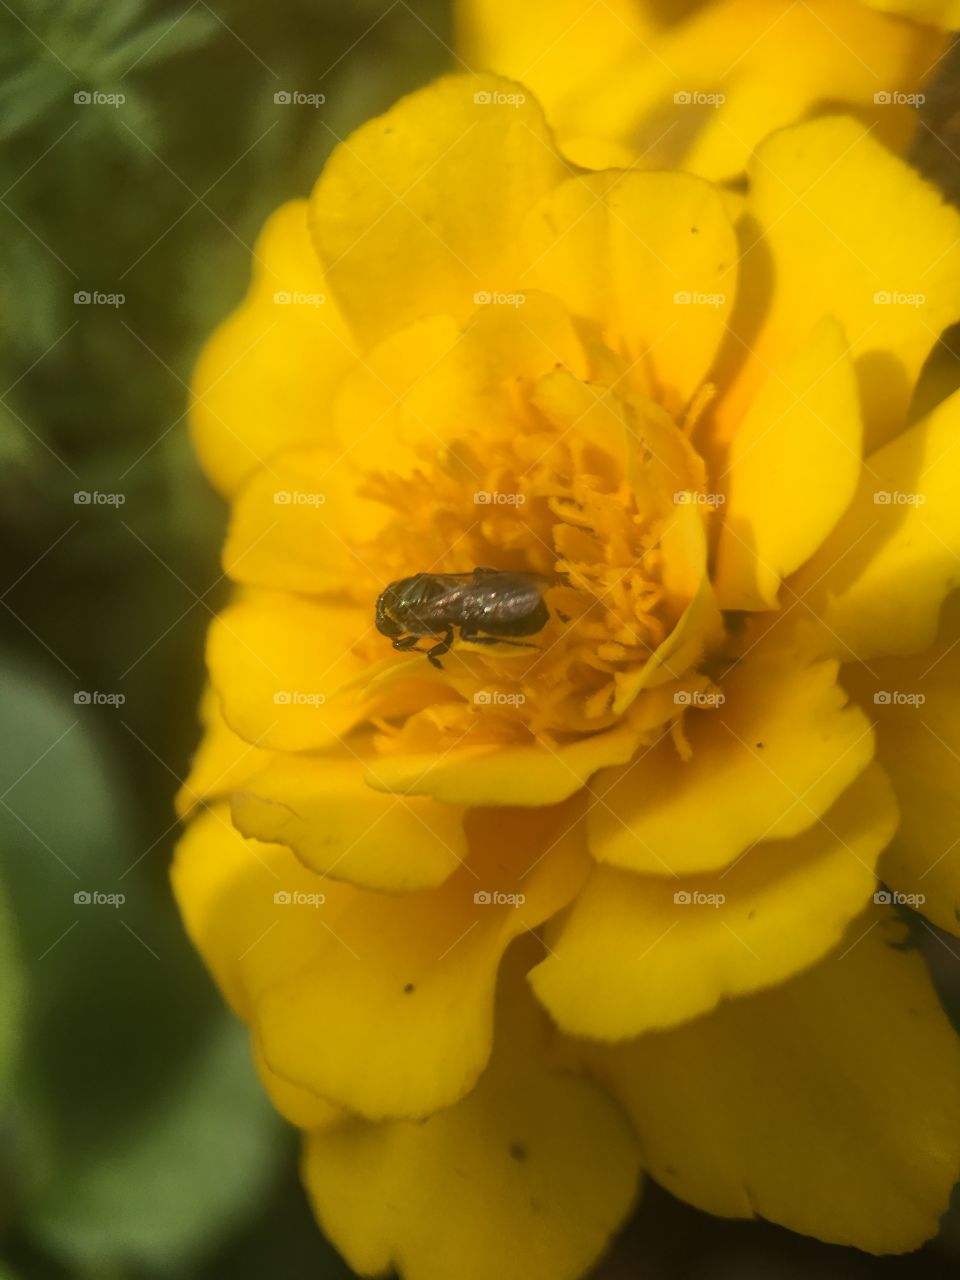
x,y
488,606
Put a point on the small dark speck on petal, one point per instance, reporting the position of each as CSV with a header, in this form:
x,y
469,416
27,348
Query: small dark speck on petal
x,y
695,230
409,989
518,1151
759,746
668,1168
751,913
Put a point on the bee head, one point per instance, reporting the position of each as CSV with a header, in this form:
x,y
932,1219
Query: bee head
x,y
387,623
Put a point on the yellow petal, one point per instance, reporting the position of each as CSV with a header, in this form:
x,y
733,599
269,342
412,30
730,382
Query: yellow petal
x,y
831,204
793,469
640,953
405,214
222,762
765,764
652,259
877,584
698,86
830,1105
321,808
539,1157
299,526
278,662
915,704
237,901
946,13
390,1013
299,1106
491,775
264,381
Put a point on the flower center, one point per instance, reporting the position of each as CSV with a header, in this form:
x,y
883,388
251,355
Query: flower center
x,y
594,492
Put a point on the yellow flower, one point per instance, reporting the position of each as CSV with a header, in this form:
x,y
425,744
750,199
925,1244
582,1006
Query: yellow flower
x,y
511,930
637,82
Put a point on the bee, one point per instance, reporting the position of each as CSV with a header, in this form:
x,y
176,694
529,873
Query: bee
x,y
487,606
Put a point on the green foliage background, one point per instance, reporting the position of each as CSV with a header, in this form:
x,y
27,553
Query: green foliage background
x,y
134,1140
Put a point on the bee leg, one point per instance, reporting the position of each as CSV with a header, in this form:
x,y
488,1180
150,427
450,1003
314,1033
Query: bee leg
x,y
441,647
406,642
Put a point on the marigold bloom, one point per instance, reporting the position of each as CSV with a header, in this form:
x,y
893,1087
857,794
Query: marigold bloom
x,y
509,932
699,85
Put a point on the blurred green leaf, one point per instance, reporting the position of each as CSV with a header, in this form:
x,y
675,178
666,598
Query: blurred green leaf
x,y
198,1159
11,996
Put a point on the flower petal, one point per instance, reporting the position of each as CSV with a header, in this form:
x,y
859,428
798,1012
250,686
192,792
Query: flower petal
x,y
652,259
765,765
831,204
540,1157
640,953
404,213
504,775
222,762
390,1010
278,664
265,379
915,703
322,809
830,1105
696,88
297,526
877,584
794,466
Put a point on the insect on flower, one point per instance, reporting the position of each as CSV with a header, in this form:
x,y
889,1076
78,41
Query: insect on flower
x,y
487,606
